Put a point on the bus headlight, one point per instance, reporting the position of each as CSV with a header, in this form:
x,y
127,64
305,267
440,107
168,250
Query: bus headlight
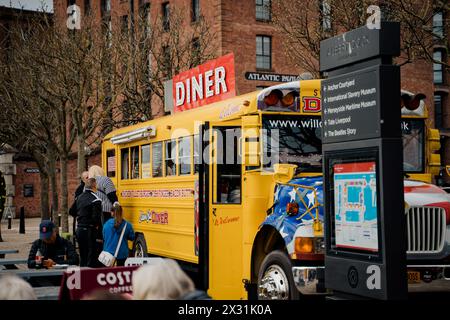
x,y
305,245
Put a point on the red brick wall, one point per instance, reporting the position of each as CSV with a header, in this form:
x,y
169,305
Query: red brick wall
x,y
32,205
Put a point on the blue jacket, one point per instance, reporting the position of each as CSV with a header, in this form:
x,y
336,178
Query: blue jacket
x,y
111,237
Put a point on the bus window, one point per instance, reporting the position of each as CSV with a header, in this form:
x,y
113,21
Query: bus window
x,y
413,145
145,161
196,153
125,174
157,159
228,189
170,149
184,155
135,162
111,163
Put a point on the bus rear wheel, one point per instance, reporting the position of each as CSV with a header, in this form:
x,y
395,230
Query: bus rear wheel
x,y
140,247
275,279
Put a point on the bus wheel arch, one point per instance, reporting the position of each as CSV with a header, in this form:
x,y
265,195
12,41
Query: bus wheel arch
x,y
140,246
267,239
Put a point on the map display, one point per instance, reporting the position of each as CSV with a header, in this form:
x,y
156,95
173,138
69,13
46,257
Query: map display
x,y
355,206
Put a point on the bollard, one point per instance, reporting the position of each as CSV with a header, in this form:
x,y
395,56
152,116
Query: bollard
x,y
59,220
22,220
9,222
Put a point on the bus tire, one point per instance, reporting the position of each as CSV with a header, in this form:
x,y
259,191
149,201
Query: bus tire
x,y
140,246
275,279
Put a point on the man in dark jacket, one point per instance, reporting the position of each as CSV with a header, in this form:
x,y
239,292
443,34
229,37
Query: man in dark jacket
x,y
53,249
89,210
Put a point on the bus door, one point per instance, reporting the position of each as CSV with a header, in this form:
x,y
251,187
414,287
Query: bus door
x,y
225,211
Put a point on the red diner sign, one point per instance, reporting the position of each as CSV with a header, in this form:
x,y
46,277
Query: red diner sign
x,y
207,83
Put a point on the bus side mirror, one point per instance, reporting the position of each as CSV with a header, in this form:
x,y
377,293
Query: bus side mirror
x,y
283,172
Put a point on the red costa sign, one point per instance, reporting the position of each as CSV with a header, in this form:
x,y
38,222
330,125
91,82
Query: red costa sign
x,y
204,84
76,282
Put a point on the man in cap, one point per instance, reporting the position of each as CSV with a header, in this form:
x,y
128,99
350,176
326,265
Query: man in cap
x,y
53,248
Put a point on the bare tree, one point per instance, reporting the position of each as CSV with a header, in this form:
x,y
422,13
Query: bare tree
x,y
156,50
305,23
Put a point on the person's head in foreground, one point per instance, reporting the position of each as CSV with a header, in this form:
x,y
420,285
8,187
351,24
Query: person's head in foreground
x,y
160,281
14,288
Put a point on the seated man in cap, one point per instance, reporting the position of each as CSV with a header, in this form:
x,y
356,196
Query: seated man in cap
x,y
53,249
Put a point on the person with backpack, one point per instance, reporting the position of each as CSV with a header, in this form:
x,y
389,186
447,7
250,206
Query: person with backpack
x,y
116,233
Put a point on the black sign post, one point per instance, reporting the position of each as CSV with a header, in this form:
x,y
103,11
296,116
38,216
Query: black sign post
x,y
363,165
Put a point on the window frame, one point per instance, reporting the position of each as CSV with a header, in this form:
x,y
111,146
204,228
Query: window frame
x,y
438,68
172,158
263,12
108,151
127,149
263,54
142,146
195,10
155,144
438,29
165,6
188,156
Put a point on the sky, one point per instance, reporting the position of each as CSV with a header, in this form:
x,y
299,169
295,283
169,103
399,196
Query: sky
x,y
33,5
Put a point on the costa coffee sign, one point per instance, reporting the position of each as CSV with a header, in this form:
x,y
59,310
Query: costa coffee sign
x,y
204,84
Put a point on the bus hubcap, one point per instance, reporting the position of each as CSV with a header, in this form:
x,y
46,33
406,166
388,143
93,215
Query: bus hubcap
x,y
274,284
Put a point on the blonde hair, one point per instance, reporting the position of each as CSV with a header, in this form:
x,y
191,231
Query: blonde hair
x,y
164,280
96,171
14,288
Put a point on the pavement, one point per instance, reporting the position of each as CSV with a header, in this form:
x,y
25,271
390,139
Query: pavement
x,y
12,239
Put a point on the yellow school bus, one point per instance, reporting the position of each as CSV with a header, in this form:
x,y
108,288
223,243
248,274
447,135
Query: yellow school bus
x,y
233,190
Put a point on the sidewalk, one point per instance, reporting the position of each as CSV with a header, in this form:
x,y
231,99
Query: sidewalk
x,y
12,239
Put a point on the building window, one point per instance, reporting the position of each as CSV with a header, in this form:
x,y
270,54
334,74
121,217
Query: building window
x,y
438,25
195,10
167,62
263,52
438,108
325,15
438,70
165,18
105,7
124,24
195,52
263,10
87,7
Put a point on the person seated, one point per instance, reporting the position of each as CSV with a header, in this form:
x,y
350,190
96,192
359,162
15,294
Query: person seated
x,y
53,249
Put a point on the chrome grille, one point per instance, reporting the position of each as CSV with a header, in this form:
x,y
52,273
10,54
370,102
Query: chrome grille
x,y
426,229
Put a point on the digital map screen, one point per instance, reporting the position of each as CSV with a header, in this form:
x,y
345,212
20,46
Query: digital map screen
x,y
355,206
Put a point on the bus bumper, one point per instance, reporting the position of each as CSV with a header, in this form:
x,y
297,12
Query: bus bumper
x,y
309,280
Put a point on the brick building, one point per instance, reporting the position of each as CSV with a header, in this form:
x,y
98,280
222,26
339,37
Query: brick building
x,y
244,28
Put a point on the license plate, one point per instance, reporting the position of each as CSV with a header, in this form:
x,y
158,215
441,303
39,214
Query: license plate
x,y
413,277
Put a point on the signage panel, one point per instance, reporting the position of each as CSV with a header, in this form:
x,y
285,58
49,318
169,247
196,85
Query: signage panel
x,y
207,83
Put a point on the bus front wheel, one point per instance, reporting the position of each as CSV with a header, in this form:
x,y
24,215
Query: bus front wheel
x,y
275,279
140,246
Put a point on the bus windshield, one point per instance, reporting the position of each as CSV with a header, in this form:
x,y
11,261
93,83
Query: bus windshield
x,y
292,139
413,145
